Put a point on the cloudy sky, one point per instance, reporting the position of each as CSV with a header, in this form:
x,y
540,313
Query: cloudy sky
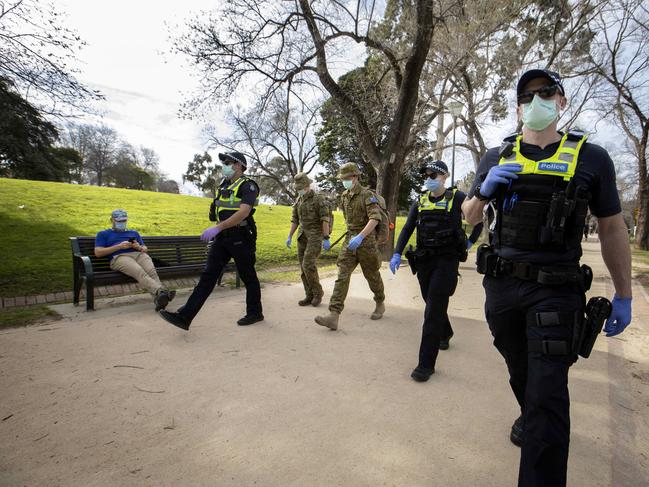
x,y
127,58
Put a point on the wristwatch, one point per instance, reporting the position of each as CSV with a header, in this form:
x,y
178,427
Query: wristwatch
x,y
479,195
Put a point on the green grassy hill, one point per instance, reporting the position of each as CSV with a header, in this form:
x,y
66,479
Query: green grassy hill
x,y
36,219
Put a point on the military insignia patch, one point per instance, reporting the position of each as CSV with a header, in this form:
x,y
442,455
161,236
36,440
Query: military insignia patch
x,y
373,199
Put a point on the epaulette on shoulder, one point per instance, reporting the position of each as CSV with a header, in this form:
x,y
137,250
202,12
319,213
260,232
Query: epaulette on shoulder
x,y
511,137
576,134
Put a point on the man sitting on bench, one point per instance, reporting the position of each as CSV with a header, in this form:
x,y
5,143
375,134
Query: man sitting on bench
x,y
128,254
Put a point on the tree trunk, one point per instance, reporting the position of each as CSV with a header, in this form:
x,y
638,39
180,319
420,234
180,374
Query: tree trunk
x,y
642,230
388,181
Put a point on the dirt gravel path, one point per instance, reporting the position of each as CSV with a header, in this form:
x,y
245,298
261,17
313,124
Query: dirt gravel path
x,y
118,397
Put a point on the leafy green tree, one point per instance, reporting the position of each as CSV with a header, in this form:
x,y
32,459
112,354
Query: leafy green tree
x,y
26,139
203,173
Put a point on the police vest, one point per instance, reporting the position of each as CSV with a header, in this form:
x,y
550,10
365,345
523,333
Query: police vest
x,y
543,209
228,200
435,225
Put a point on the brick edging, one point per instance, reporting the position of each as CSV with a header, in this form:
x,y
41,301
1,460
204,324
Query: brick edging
x,y
101,291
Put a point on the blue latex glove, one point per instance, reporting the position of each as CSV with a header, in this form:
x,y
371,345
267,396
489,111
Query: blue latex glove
x,y
326,244
501,174
210,233
395,262
620,316
469,244
288,242
355,242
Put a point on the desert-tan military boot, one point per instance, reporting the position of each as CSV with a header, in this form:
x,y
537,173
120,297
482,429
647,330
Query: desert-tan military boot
x,y
330,321
378,311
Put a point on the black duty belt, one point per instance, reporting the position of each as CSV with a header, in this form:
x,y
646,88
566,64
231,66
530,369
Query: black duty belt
x,y
491,264
235,229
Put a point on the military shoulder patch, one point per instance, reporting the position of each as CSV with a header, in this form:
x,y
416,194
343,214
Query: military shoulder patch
x,y
373,199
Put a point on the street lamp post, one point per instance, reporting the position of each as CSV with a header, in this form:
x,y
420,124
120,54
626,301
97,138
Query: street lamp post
x,y
455,107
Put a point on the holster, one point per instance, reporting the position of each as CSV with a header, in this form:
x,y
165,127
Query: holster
x,y
598,309
412,259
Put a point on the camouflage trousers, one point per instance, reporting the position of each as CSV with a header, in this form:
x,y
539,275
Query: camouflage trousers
x,y
308,251
369,257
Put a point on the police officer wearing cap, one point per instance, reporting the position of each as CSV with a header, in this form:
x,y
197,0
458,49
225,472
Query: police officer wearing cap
x,y
543,183
235,237
441,245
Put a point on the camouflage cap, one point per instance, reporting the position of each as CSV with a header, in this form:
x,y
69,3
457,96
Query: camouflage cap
x,y
349,169
301,180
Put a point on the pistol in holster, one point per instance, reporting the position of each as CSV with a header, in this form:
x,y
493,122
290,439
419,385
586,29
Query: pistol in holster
x,y
597,311
412,259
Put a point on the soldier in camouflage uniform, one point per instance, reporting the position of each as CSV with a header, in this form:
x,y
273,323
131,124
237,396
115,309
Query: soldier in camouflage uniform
x,y
311,216
362,215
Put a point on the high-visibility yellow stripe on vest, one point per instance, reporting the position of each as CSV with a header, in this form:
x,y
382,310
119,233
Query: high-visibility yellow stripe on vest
x,y
562,163
425,204
232,202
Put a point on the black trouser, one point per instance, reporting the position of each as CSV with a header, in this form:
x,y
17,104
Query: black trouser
x,y
437,279
539,381
239,244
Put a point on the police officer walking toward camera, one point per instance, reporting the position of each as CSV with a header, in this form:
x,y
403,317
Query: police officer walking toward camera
x,y
234,237
543,183
362,215
311,215
441,246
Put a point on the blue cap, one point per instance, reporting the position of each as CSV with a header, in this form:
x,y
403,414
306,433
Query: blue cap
x,y
119,215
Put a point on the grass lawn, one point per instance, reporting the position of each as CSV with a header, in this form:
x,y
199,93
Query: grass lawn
x,y
641,266
27,315
36,219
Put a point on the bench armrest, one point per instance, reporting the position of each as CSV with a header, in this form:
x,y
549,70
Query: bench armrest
x,y
85,261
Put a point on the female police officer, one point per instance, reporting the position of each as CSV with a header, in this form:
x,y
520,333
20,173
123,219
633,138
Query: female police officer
x,y
441,245
234,237
543,182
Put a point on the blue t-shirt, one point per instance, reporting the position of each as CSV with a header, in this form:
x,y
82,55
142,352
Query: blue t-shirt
x,y
109,237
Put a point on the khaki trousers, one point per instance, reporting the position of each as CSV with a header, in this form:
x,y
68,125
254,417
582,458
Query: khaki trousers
x,y
140,267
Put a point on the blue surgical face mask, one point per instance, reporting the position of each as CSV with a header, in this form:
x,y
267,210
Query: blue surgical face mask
x,y
228,171
301,192
539,113
432,185
348,183
119,226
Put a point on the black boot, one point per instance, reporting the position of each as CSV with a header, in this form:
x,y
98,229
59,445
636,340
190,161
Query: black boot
x,y
443,343
421,374
175,319
518,432
250,319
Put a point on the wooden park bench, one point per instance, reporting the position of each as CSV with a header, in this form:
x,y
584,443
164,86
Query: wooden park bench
x,y
172,257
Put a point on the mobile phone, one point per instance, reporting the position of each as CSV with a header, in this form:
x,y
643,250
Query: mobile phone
x,y
132,239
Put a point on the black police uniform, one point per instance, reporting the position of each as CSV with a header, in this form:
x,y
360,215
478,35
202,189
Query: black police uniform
x,y
537,291
441,244
238,243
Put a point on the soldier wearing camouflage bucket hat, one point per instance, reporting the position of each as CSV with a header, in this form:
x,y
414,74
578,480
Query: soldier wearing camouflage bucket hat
x,y
311,216
362,215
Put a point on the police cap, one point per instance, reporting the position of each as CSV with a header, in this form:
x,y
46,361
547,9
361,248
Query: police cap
x,y
234,157
438,167
531,74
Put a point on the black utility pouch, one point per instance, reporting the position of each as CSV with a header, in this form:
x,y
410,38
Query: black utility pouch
x,y
587,276
486,260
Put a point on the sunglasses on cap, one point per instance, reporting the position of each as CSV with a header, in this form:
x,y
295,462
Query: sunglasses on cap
x,y
545,92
